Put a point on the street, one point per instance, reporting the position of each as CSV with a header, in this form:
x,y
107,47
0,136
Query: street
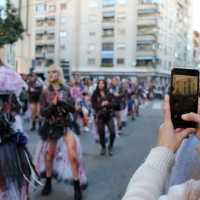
x,y
108,176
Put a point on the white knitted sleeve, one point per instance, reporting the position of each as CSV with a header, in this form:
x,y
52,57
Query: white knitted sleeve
x,y
149,180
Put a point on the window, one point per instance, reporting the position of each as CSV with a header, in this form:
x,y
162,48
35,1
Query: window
x,y
62,47
50,49
92,32
91,61
39,23
91,47
92,18
51,22
108,2
63,34
108,31
38,50
39,62
40,8
121,17
107,47
121,2
165,50
51,8
108,16
63,6
50,36
160,46
120,61
165,62
121,31
170,65
107,62
63,19
92,4
121,46
38,37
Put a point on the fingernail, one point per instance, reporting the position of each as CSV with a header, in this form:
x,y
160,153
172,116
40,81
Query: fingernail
x,y
184,116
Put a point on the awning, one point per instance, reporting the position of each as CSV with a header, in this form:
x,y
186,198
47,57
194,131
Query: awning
x,y
108,28
145,11
152,58
107,54
108,14
40,32
49,57
51,31
145,41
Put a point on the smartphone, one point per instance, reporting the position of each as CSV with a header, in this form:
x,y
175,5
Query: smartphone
x,y
183,95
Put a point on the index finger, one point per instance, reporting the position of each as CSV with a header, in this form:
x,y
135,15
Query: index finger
x,y
166,109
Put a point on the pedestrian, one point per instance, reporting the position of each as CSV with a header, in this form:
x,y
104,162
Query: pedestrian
x,y
57,106
34,91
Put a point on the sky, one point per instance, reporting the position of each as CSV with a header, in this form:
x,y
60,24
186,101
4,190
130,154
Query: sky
x,y
196,15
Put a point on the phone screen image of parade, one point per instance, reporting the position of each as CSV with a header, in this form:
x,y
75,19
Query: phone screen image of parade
x,y
184,97
184,93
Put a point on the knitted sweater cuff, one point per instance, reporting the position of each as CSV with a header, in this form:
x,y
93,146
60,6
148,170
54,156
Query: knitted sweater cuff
x,y
161,158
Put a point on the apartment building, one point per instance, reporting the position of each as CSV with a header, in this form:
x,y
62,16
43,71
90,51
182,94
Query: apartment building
x,y
196,48
141,39
20,56
164,36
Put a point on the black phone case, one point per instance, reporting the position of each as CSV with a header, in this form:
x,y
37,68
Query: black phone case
x,y
183,103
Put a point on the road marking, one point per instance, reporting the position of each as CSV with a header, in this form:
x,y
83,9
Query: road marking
x,y
144,105
157,106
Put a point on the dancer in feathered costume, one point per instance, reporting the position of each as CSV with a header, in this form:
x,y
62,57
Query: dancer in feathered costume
x,y
15,161
63,156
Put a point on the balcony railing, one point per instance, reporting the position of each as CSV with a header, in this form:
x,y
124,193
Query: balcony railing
x,y
108,35
107,64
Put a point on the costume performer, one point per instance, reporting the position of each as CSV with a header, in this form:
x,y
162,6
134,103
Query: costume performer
x,y
35,88
104,104
16,167
57,106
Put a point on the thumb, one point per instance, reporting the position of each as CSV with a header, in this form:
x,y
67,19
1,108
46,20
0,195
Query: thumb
x,y
166,109
191,117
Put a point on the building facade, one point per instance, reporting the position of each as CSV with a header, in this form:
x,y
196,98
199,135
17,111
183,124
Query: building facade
x,y
196,48
137,38
20,56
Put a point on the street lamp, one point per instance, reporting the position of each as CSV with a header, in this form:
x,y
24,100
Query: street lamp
x,y
60,30
71,49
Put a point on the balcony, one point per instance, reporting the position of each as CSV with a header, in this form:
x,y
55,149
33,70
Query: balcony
x,y
146,23
40,42
50,26
39,54
146,37
107,64
40,28
145,52
146,8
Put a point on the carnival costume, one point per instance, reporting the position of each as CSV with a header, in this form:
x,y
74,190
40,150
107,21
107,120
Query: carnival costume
x,y
54,127
16,167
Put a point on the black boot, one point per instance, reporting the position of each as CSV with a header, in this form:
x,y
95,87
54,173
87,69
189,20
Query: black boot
x,y
103,151
47,189
120,130
33,127
110,150
77,191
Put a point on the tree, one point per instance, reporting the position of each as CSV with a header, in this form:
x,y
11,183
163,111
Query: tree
x,y
11,27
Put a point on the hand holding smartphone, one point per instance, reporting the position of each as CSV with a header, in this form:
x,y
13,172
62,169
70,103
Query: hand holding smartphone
x,y
183,95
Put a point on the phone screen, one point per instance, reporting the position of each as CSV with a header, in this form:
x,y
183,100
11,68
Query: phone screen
x,y
184,95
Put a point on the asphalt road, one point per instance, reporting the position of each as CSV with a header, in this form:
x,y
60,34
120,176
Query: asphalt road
x,y
108,176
